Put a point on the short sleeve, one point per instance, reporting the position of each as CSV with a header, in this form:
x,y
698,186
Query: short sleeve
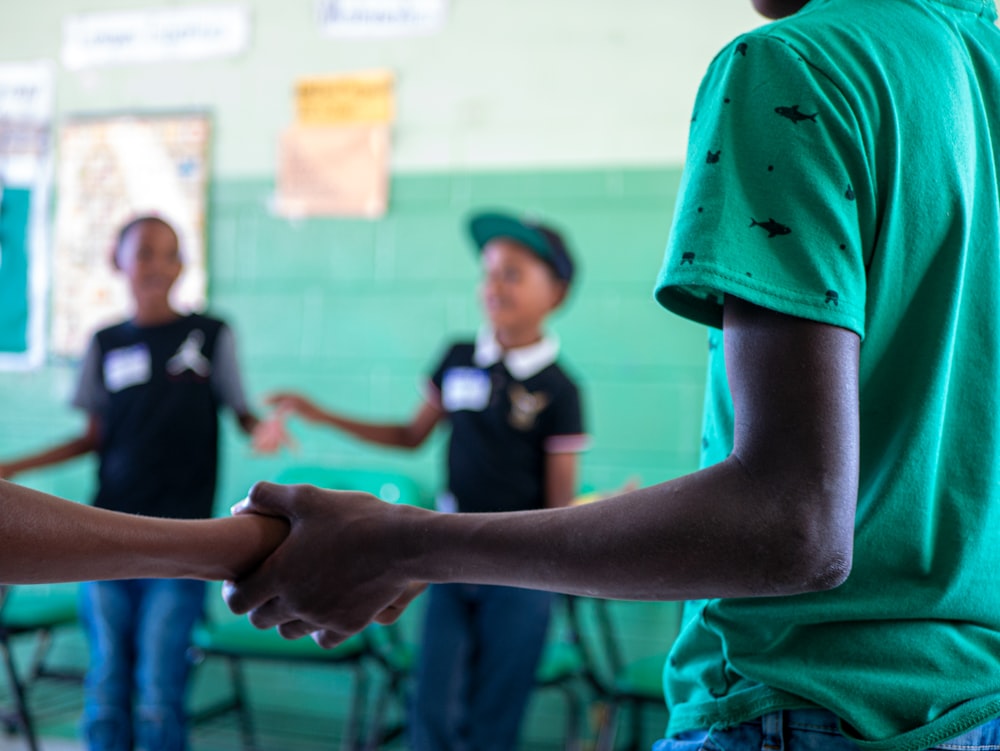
x,y
91,395
226,378
768,209
564,428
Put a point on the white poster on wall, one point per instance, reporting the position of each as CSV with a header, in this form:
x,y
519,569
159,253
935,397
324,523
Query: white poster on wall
x,y
146,36
362,19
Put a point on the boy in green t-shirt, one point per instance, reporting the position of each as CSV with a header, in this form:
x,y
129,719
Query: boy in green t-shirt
x,y
839,220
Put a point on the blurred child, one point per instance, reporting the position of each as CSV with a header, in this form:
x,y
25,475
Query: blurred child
x,y
152,387
516,429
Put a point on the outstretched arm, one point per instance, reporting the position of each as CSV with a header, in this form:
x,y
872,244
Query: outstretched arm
x,y
61,452
404,435
48,539
776,517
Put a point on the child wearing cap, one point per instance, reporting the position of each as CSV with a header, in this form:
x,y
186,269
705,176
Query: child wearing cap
x,y
516,430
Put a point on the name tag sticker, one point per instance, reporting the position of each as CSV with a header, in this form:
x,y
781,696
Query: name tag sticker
x,y
127,366
465,388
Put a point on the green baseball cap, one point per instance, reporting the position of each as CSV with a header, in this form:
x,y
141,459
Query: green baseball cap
x,y
543,241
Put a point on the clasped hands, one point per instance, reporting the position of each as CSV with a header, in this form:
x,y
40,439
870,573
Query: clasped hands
x,y
340,568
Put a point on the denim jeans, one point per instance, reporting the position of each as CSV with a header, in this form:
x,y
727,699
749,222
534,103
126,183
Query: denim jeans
x,y
807,730
476,667
139,632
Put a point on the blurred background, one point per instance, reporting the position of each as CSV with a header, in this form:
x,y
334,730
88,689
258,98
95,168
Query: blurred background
x,y
573,111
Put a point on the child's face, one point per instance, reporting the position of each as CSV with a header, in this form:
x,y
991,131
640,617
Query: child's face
x,y
518,289
778,8
151,261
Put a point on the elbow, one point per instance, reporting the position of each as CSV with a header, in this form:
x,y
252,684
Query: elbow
x,y
813,548
815,558
826,571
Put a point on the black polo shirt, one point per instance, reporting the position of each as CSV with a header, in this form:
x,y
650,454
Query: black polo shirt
x,y
504,423
156,392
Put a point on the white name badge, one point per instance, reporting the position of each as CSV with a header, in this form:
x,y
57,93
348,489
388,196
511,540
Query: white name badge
x,y
465,388
127,366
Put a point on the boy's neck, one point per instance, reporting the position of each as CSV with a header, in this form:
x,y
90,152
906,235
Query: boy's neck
x,y
154,314
513,339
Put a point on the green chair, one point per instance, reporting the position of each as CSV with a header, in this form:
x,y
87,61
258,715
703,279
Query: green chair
x,y
235,640
622,684
35,610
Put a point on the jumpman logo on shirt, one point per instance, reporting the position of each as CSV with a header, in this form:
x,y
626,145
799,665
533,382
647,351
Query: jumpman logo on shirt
x,y
189,356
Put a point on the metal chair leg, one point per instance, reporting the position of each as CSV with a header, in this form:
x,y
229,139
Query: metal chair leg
x,y
352,740
22,715
241,705
607,728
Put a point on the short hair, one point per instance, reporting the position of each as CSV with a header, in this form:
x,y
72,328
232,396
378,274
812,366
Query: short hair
x,y
137,221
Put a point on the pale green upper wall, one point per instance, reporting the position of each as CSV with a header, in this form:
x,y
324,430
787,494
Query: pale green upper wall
x,y
507,84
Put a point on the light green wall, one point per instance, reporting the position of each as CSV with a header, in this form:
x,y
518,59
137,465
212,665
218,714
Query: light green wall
x,y
513,84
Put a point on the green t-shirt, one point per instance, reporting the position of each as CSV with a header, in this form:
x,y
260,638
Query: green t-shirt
x,y
842,167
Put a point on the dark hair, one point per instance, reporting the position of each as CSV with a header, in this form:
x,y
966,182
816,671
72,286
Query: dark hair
x,y
131,224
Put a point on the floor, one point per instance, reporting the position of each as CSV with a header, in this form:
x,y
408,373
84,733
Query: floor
x,y
293,710
300,708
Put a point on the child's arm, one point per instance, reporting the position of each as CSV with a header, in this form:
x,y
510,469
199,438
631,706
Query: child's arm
x,y
59,453
48,539
560,479
403,435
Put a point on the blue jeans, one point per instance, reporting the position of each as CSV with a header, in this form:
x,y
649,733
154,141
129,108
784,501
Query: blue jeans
x,y
807,730
139,632
476,667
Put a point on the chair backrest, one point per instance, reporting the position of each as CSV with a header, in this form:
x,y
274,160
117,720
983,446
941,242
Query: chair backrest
x,y
614,633
392,487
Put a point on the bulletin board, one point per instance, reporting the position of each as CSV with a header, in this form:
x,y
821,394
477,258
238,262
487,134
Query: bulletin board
x,y
109,170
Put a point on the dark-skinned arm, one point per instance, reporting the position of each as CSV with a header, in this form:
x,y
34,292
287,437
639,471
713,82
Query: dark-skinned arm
x,y
404,435
57,454
47,539
775,518
560,479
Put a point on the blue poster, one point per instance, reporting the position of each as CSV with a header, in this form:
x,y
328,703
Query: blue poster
x,y
14,212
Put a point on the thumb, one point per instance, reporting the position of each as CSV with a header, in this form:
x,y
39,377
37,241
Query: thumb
x,y
266,498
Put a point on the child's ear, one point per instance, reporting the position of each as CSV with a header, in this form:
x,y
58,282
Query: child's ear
x,y
113,257
560,290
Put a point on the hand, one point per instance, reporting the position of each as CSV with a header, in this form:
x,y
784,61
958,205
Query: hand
x,y
288,402
337,570
270,434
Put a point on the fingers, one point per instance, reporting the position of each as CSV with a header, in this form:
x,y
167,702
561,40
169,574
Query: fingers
x,y
269,499
392,613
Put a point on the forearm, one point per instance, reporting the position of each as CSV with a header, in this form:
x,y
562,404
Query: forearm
x,y
47,539
682,539
397,436
55,455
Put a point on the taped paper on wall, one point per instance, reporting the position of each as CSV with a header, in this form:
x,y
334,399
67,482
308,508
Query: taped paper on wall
x,y
333,171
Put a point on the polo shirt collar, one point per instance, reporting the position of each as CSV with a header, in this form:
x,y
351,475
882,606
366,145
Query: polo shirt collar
x,y
521,362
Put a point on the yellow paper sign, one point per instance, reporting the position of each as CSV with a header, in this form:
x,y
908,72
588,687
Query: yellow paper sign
x,y
345,99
